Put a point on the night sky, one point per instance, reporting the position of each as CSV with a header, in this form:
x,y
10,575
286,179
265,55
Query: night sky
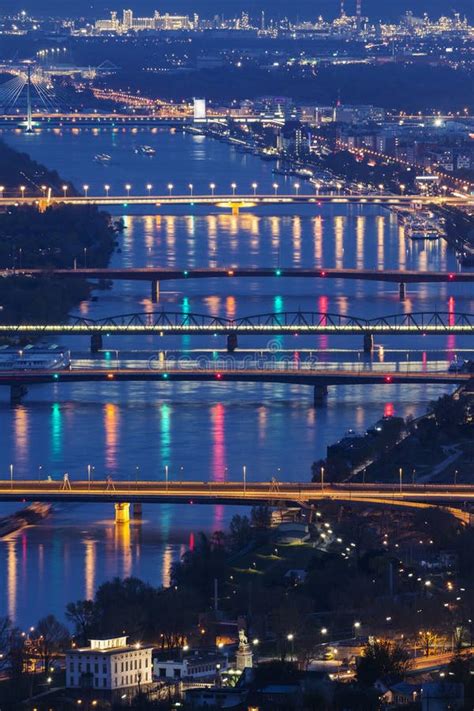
x,y
386,9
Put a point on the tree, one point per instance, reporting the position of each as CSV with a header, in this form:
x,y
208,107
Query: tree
x,y
382,658
82,614
428,641
50,638
240,532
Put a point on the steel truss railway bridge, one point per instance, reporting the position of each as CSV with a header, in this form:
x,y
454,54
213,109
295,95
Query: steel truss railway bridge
x,y
155,275
303,323
456,498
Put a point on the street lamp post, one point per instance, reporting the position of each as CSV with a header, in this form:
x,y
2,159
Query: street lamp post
x,y
400,473
149,188
254,187
191,188
170,188
213,188
11,476
2,190
128,187
166,476
244,475
297,189
234,188
86,190
275,188
322,478
22,189
107,190
291,638
65,191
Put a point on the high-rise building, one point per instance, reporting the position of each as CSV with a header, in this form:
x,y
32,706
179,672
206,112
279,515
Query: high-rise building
x,y
127,19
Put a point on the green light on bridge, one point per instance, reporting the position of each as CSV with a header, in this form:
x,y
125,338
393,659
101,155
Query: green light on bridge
x,y
56,376
107,354
186,273
165,376
278,272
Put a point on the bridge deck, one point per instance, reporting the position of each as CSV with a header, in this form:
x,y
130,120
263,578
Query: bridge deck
x,y
230,372
234,493
164,273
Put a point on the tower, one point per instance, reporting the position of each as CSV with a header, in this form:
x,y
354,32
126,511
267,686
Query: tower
x,y
342,8
29,117
359,12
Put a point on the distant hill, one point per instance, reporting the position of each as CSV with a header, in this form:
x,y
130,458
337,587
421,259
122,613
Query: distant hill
x,y
388,9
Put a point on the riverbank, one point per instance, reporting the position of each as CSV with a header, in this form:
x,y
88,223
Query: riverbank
x,y
438,445
59,237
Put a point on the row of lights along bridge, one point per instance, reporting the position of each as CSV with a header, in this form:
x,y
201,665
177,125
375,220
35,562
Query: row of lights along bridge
x,y
170,188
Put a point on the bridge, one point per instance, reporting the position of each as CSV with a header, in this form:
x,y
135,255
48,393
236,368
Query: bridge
x,y
234,202
289,373
155,275
304,323
244,493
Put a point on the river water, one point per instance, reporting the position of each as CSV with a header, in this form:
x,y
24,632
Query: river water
x,y
201,431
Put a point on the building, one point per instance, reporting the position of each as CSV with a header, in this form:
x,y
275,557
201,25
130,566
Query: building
x,y
197,665
127,20
109,665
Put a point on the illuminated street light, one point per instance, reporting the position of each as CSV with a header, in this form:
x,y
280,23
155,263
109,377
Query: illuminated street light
x,y
275,187
297,188
22,188
170,188
86,189
107,190
254,186
213,188
191,188
2,190
128,187
234,188
149,189
402,188
65,190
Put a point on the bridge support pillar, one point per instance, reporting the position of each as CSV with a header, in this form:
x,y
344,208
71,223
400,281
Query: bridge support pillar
x,y
320,395
402,291
232,342
368,342
235,208
137,510
96,342
122,513
155,291
17,392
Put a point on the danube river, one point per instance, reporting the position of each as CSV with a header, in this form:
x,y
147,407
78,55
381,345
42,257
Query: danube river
x,y
201,431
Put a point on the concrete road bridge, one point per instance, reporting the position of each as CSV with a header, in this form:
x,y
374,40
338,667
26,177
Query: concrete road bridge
x,y
156,275
229,372
455,498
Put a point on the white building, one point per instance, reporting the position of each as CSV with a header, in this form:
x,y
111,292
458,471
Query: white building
x,y
197,665
109,665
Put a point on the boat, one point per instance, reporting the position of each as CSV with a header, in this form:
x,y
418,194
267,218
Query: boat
x,y
102,158
418,228
34,361
145,150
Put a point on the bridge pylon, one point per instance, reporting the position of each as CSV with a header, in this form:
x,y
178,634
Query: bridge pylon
x,y
368,342
320,395
122,513
155,291
17,392
96,342
402,291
